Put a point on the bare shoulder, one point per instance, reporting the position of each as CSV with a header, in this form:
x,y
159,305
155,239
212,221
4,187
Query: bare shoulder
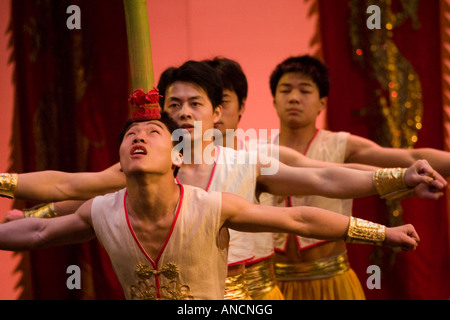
x,y
84,211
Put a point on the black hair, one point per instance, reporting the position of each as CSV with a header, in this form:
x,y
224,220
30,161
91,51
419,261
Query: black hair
x,y
307,66
197,73
165,119
232,75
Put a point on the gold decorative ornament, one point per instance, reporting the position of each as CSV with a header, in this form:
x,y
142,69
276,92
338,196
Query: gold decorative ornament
x,y
46,210
8,184
312,270
260,277
145,289
236,287
398,95
390,184
365,232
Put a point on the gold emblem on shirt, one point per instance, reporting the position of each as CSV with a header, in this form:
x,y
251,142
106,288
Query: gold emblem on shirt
x,y
145,289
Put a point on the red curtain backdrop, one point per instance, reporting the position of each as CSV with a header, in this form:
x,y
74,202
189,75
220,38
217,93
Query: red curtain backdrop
x,y
423,274
70,103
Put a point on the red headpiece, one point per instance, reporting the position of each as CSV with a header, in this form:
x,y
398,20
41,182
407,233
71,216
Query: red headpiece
x,y
146,105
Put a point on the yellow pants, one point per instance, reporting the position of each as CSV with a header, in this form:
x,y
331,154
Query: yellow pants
x,y
344,286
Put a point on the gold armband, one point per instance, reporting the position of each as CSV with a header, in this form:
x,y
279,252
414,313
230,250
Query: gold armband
x,y
8,184
365,232
390,184
41,211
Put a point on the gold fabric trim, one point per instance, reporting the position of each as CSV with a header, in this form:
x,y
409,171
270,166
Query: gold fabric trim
x,y
145,290
236,287
317,269
260,277
390,184
41,211
365,232
8,184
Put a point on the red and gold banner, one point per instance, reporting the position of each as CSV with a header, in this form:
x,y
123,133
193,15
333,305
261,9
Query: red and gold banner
x,y
375,93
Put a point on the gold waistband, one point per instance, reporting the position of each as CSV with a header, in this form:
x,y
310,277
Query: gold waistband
x,y
318,269
236,287
260,277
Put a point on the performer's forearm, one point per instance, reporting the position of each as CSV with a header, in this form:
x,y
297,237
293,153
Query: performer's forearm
x,y
63,208
53,209
438,159
43,186
21,235
311,223
48,186
338,226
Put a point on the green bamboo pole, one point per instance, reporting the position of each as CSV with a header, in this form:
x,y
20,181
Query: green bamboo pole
x,y
139,46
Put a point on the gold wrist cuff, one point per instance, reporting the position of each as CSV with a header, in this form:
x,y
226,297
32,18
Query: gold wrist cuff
x,y
400,194
41,211
365,232
8,184
390,184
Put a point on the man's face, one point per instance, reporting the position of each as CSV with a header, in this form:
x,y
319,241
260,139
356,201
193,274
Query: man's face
x,y
186,102
146,148
297,100
231,112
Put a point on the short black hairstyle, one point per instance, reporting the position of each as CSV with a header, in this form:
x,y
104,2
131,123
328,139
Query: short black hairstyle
x,y
165,119
197,73
232,75
306,65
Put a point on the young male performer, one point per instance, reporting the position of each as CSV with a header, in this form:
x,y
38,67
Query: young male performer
x,y
308,268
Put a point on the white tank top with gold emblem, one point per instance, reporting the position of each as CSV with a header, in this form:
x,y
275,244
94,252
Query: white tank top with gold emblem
x,y
192,264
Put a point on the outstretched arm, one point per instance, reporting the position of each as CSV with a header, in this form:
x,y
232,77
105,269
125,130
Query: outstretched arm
x,y
45,186
338,182
45,210
294,158
239,214
35,233
362,150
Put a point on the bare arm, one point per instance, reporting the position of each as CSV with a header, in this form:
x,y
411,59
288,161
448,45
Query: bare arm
x,y
332,182
45,186
239,214
294,158
365,151
35,233
338,182
58,209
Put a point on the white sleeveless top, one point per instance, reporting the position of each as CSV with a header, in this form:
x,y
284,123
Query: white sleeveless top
x,y
263,242
235,172
325,146
192,263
